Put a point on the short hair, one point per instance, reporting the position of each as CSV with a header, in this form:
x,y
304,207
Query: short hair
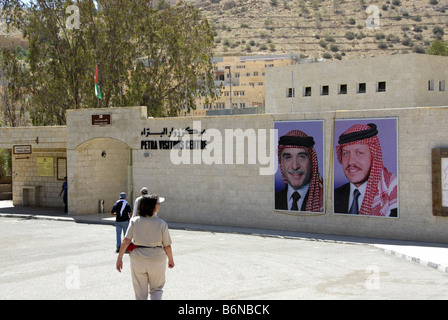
x,y
147,205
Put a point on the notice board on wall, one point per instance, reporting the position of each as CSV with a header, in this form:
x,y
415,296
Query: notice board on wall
x,y
440,181
62,168
45,166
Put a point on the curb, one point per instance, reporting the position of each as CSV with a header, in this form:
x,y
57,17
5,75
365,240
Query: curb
x,y
434,265
54,218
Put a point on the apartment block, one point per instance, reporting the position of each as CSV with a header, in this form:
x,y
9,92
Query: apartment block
x,y
241,81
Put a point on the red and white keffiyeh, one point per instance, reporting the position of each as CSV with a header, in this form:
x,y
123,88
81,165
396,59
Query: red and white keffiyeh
x,y
315,202
382,186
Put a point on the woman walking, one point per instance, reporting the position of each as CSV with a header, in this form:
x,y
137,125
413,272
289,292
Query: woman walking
x,y
152,239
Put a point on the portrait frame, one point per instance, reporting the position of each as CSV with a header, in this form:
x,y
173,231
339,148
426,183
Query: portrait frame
x,y
313,128
388,137
439,158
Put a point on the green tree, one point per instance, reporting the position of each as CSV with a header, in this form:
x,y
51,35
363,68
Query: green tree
x,y
5,162
13,87
60,59
160,58
174,65
439,48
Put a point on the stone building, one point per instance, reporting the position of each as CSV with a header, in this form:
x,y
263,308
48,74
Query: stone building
x,y
395,81
220,170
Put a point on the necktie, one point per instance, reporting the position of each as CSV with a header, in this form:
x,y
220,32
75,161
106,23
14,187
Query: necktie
x,y
354,208
295,198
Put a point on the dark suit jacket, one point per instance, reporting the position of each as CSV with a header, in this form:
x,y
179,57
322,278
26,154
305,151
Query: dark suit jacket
x,y
281,201
341,196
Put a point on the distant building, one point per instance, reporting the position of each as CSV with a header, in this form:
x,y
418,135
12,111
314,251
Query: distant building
x,y
241,81
395,81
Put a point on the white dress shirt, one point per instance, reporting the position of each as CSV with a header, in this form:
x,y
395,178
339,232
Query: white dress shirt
x,y
302,191
362,190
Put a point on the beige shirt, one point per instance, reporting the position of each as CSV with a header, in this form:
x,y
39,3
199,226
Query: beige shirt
x,y
148,232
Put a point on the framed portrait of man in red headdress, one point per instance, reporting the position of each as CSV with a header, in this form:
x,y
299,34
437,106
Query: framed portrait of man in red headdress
x,y
365,166
298,182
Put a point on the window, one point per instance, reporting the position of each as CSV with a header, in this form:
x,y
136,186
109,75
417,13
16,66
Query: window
x,y
307,92
290,93
342,89
324,90
442,85
381,86
361,88
430,85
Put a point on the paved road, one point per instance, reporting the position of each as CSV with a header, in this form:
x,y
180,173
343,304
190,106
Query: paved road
x,y
45,259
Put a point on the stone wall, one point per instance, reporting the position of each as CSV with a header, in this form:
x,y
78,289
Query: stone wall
x,y
228,183
49,142
101,173
25,174
237,195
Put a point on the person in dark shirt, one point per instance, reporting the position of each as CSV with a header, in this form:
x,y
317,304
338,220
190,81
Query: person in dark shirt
x,y
65,198
123,213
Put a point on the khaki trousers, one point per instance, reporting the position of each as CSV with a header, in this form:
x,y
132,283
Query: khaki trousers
x,y
148,273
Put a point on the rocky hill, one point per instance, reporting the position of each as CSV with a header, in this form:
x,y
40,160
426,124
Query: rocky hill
x,y
328,29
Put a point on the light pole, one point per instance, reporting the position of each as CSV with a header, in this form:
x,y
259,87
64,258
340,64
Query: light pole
x,y
230,76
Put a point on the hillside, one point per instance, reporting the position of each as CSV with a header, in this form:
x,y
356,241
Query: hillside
x,y
329,29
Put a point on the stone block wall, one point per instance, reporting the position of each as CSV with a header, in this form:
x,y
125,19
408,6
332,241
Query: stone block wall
x,y
25,173
44,142
100,172
237,195
222,184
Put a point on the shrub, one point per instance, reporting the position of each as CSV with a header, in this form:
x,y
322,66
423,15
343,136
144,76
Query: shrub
x,y
350,35
334,48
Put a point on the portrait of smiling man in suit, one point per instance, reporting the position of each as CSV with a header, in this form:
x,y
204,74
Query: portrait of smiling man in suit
x,y
371,189
301,185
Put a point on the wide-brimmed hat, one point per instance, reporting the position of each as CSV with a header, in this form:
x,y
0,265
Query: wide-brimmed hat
x,y
144,190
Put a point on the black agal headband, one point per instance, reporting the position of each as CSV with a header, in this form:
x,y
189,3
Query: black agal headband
x,y
359,135
307,142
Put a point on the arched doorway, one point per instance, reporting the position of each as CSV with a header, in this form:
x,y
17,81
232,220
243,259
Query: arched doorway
x,y
103,170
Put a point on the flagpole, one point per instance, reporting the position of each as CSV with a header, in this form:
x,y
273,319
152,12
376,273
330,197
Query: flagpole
x,y
96,81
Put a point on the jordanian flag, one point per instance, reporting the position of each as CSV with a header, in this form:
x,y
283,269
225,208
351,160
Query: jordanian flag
x,y
97,86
